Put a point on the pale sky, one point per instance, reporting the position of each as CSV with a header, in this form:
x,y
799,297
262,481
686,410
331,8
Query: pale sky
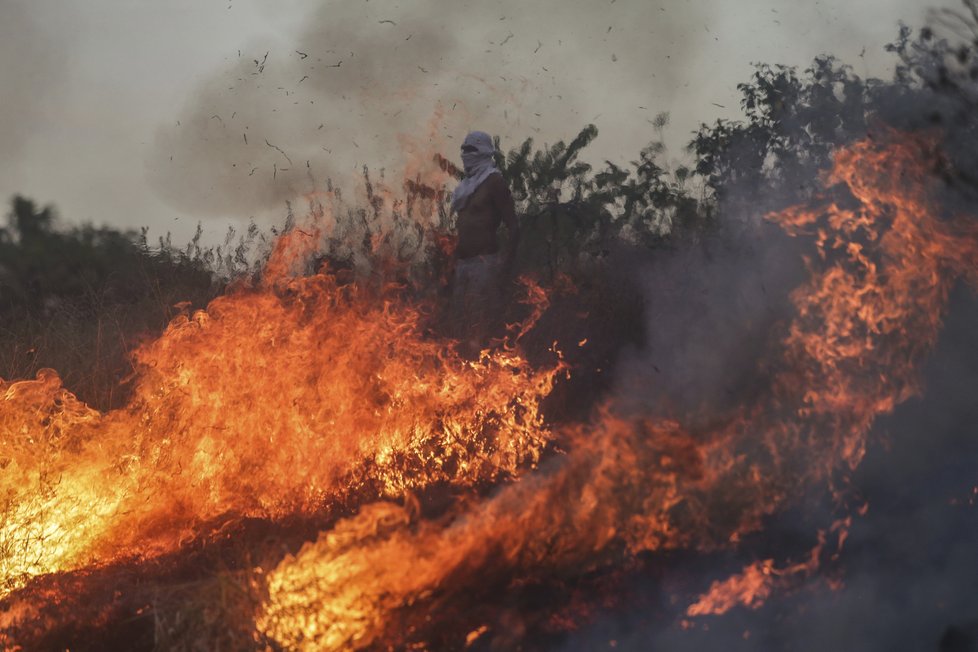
x,y
154,113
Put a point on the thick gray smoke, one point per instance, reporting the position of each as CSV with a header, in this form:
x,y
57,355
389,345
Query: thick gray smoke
x,y
908,568
92,91
374,84
712,312
32,69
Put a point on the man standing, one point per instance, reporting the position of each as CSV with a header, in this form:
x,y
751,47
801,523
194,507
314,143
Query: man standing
x,y
482,200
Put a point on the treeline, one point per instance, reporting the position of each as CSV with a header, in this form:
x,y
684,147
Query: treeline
x,y
77,298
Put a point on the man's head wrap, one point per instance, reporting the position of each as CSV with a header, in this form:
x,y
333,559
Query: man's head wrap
x,y
477,153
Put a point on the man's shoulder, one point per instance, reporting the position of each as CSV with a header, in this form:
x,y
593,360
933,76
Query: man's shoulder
x,y
495,182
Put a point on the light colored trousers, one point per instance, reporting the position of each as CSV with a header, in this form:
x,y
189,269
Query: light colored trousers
x,y
475,299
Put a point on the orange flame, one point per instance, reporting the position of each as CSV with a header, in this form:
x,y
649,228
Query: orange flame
x,y
750,589
277,400
863,324
300,394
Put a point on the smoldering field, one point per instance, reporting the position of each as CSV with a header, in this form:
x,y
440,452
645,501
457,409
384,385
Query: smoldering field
x,y
905,576
771,363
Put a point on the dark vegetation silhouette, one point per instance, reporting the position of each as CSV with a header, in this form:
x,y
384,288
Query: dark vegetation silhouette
x,y
77,299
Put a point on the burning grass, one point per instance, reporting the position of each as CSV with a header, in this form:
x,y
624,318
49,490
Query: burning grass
x,y
349,481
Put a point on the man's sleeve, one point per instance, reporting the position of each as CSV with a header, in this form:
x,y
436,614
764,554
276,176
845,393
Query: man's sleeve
x,y
504,205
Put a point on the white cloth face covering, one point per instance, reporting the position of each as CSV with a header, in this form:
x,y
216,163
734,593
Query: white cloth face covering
x,y
477,161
